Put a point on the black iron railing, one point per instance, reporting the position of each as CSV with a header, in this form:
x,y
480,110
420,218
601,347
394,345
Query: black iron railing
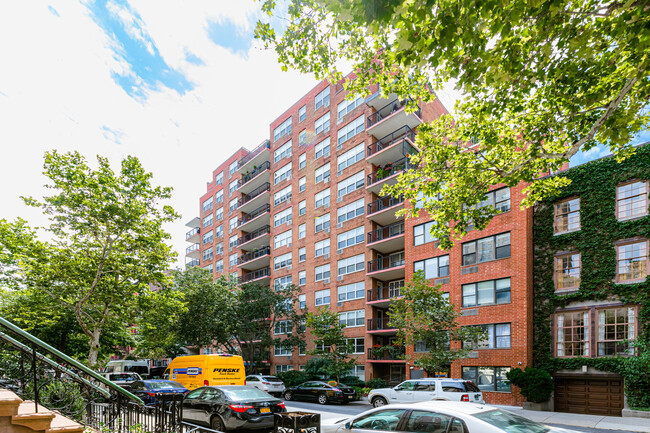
x,y
388,170
383,293
384,203
387,353
192,263
379,324
254,234
245,198
191,248
192,232
251,175
265,208
387,232
255,275
387,110
383,263
253,255
398,136
266,144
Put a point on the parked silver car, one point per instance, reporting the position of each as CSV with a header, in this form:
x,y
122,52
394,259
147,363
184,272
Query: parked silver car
x,y
412,391
270,384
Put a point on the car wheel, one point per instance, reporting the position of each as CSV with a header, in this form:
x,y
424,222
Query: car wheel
x,y
379,402
288,396
322,399
217,424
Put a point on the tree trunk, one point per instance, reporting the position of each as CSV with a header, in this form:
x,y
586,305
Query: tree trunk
x,y
94,348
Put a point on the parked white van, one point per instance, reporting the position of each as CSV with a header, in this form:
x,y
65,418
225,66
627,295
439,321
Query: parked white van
x,y
128,366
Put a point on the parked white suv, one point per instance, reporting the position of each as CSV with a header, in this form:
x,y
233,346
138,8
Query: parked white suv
x,y
412,391
270,384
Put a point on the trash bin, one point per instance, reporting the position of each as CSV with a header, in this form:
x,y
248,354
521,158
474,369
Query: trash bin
x,y
296,422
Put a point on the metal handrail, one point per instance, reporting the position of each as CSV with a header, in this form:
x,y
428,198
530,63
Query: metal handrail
x,y
389,170
384,203
387,110
264,272
254,214
253,255
379,324
245,198
252,235
387,232
251,175
266,144
191,248
394,137
380,293
386,263
192,232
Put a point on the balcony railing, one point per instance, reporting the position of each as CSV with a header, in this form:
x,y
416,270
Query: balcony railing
x,y
394,137
260,273
254,214
379,324
383,293
191,248
387,232
266,144
250,175
388,110
388,170
389,262
254,234
391,353
194,231
384,203
245,198
253,255
192,263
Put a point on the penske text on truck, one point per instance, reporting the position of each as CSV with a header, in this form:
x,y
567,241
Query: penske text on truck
x,y
202,370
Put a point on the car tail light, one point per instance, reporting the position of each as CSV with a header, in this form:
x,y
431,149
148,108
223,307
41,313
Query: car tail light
x,y
240,407
206,382
266,383
464,397
151,394
281,405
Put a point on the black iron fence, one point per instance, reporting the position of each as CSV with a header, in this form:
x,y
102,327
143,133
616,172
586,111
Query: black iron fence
x,y
383,203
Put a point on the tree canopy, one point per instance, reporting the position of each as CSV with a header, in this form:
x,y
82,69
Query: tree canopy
x,y
541,80
331,344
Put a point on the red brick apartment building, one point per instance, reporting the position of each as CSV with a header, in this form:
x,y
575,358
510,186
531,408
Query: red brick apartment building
x,y
303,208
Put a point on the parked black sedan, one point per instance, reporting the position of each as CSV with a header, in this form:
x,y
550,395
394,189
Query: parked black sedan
x,y
148,389
321,392
233,407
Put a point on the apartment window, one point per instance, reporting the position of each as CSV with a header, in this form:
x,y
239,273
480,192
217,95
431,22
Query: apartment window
x,y
323,148
486,249
322,297
322,123
302,137
358,371
302,161
488,378
218,197
349,238
350,184
233,168
422,234
349,211
631,200
322,99
434,267
323,198
218,180
302,113
232,261
322,248
302,208
498,199
282,217
616,331
218,214
322,223
322,273
218,266
207,237
282,283
351,264
302,184
352,291
233,241
302,254
421,346
302,301
218,232
281,196
208,268
358,345
302,278
350,157
350,130
283,327
486,293
352,319
233,186
207,254
567,271
323,173
282,130
207,221
283,151
207,205
567,216
282,240
394,289
572,335
282,351
232,223
283,368
632,261
498,337
282,261
302,231
234,203
282,174
347,106
218,249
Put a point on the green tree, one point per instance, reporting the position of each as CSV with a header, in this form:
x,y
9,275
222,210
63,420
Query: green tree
x,y
540,80
424,315
106,243
331,345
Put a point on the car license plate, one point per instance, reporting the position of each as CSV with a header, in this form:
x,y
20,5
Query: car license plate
x,y
349,396
265,410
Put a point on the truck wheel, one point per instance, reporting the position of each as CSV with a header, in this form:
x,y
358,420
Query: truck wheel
x,y
379,402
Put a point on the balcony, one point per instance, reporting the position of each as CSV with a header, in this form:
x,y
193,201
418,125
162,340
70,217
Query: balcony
x,y
260,217
382,211
381,325
257,156
386,175
391,117
255,240
255,198
382,296
392,147
376,101
260,276
192,263
193,251
255,259
387,354
193,235
387,239
387,268
252,180
193,223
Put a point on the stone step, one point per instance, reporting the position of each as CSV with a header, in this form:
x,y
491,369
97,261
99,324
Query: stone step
x,y
28,417
61,424
9,403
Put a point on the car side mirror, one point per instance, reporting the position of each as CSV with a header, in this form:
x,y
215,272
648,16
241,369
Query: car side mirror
x,y
348,425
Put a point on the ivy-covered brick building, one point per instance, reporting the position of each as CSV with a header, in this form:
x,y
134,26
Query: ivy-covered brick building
x,y
591,288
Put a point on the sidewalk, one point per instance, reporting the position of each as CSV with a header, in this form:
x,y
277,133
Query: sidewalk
x,y
580,420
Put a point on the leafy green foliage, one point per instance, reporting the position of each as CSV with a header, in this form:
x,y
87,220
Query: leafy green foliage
x,y
293,377
424,315
327,330
376,382
535,384
541,80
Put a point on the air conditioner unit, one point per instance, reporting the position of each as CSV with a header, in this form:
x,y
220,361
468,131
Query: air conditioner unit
x,y
339,278
326,280
326,179
326,205
340,199
326,230
339,304
326,256
339,251
289,267
339,120
340,172
339,225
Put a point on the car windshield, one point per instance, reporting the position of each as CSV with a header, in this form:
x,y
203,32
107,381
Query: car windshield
x,y
123,376
510,422
271,379
165,385
245,393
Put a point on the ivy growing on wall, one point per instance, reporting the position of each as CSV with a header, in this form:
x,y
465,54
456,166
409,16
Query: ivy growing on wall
x,y
595,183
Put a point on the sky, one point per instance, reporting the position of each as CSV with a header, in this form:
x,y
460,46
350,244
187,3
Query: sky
x,y
180,85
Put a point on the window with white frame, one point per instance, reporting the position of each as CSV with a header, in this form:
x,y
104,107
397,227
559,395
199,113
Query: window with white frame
x,y
283,151
218,249
234,204
486,249
323,148
283,368
283,327
207,205
349,211
283,351
218,180
422,234
302,301
282,283
302,254
358,371
323,172
616,331
282,240
322,297
572,334
347,106
632,200
233,186
350,184
282,130
351,265
207,221
282,261
632,261
282,174
302,278
233,241
302,231
302,161
350,157
218,214
498,199
302,137
352,319
567,216
497,337
350,130
233,168
322,223
352,291
218,197
207,254
322,273
322,124
486,293
302,113
218,266
282,217
218,232
349,238
281,196
208,267
232,223
302,184
434,267
358,345
322,248
323,198
322,99
207,237
232,261
302,208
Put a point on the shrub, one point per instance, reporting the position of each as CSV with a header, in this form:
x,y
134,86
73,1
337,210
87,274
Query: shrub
x,y
293,377
535,384
375,383
353,381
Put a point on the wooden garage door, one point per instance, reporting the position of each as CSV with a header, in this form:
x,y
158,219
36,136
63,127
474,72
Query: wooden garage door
x,y
590,395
